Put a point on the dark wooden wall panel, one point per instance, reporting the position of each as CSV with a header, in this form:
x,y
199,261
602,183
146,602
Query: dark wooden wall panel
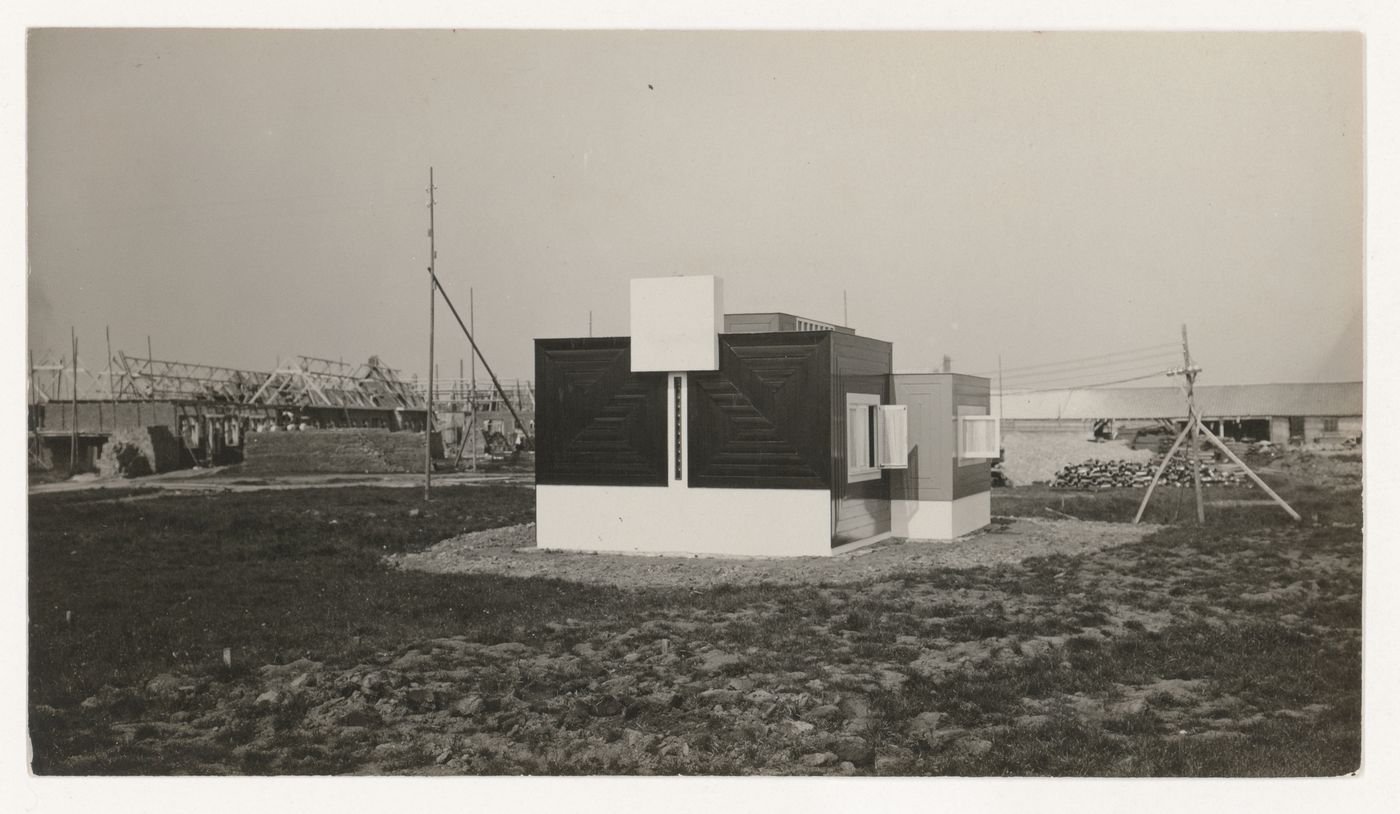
x,y
762,420
859,365
597,422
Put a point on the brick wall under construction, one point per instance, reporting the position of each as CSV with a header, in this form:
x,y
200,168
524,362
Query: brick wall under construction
x,y
339,450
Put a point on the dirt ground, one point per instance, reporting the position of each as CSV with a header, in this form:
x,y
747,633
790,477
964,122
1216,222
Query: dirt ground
x,y
1326,470
233,479
261,633
511,552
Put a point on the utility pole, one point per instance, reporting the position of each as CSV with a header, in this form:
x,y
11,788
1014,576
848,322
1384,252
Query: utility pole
x,y
845,310
590,323
148,346
471,317
1195,422
1001,393
432,307
73,431
111,384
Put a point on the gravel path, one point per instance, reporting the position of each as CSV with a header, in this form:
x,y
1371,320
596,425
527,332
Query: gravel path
x,y
510,551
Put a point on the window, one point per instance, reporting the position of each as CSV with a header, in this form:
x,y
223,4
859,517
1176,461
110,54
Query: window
x,y
678,423
877,437
1329,425
979,435
860,437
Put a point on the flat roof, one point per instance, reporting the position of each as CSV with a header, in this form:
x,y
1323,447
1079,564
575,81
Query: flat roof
x,y
825,323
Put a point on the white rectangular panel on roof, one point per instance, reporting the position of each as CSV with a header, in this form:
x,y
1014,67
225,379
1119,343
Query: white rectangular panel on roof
x,y
676,323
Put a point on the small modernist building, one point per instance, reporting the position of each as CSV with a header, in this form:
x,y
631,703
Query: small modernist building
x,y
778,436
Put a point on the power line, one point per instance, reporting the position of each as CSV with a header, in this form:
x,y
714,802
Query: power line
x,y
1089,373
1067,366
1159,349
1070,382
1152,375
1118,368
1085,382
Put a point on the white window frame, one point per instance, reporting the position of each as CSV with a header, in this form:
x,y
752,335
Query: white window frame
x,y
967,416
861,464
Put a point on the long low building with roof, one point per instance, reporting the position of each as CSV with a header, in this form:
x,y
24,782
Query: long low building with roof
x,y
1297,413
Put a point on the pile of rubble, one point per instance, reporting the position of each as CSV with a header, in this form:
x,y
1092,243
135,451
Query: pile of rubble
x,y
1096,474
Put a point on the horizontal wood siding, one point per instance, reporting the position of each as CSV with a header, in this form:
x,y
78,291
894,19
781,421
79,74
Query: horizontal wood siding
x,y
859,365
761,420
597,422
971,479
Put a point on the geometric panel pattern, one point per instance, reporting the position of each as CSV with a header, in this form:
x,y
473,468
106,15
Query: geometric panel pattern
x,y
597,422
763,420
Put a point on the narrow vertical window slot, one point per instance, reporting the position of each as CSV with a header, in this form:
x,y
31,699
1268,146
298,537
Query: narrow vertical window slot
x,y
676,398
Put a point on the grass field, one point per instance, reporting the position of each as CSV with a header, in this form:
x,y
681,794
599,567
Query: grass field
x,y
1229,649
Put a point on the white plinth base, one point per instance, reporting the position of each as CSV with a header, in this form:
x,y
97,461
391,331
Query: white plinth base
x,y
940,519
666,520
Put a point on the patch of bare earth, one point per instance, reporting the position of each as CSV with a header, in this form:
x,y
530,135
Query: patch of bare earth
x,y
1039,647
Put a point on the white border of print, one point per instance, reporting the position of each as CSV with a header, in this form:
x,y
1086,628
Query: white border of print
x,y
1376,784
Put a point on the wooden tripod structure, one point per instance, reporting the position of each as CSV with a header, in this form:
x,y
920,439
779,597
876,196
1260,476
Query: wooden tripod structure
x,y
1193,429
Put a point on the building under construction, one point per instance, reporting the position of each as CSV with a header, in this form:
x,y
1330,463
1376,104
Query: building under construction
x,y
201,414
477,420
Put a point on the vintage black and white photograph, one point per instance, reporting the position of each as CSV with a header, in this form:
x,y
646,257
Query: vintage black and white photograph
x,y
841,403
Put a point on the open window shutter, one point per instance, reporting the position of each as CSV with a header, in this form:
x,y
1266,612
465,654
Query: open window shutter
x,y
892,436
979,436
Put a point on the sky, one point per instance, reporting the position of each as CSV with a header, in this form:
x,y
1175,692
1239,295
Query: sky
x,y
1062,203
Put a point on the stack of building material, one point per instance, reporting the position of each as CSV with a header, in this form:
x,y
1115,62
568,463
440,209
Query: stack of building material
x,y
1096,474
